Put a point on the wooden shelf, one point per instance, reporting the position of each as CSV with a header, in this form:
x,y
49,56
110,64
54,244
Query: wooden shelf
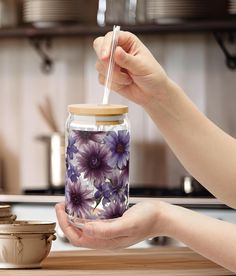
x,y
82,30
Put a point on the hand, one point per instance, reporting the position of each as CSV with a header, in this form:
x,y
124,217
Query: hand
x,y
143,220
137,75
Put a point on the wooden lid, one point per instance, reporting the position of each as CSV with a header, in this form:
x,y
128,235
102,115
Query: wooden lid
x,y
97,109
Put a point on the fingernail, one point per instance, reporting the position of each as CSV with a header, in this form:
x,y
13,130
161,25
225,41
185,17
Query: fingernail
x,y
104,54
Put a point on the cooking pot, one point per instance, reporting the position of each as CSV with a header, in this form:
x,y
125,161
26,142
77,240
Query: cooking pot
x,y
55,146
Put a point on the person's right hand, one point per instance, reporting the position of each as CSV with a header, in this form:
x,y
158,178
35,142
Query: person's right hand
x,y
137,75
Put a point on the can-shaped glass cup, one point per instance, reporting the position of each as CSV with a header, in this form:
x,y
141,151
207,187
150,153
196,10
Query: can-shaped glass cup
x,y
97,162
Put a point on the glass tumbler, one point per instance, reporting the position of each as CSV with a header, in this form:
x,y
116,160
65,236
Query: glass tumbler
x,y
97,162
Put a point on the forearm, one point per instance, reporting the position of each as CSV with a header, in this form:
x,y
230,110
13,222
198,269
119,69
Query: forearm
x,y
207,152
212,238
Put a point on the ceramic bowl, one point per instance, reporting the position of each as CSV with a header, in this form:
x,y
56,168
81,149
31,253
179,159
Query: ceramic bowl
x,y
7,220
25,244
5,211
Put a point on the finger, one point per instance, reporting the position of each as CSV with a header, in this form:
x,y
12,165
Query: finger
x,y
106,46
126,61
126,40
70,232
97,45
108,230
96,243
114,86
118,76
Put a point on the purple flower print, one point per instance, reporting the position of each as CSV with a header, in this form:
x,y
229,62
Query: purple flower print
x,y
97,174
72,172
79,199
125,172
71,148
103,192
83,137
113,210
93,162
118,188
119,147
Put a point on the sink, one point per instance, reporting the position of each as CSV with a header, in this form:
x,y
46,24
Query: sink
x,y
158,241
164,241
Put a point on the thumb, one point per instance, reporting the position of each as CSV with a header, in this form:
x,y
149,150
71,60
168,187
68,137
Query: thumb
x,y
126,61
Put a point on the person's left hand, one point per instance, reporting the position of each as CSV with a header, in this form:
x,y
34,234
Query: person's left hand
x,y
144,220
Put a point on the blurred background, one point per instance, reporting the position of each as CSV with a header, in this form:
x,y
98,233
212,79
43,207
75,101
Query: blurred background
x,y
47,62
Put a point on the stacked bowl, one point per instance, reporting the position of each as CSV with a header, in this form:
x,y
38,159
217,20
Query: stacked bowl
x,y
6,217
23,244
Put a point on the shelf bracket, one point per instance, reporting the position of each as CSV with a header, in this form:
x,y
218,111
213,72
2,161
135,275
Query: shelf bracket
x,y
230,59
41,45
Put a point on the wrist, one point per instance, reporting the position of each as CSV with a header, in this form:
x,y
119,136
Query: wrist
x,y
158,92
168,105
166,219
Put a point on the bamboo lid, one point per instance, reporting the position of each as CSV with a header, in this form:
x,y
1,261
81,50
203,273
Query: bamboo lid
x,y
97,109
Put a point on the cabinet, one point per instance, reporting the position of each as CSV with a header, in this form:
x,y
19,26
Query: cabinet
x,y
37,36
217,27
85,30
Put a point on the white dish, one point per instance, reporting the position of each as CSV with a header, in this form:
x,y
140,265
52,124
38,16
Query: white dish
x,y
46,24
46,11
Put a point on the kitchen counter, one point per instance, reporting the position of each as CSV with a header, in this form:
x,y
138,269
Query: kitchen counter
x,y
41,207
152,261
53,199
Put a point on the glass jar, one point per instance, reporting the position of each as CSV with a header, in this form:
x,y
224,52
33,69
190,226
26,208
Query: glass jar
x,y
97,162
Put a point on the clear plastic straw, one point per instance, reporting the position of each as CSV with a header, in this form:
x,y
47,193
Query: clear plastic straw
x,y
115,35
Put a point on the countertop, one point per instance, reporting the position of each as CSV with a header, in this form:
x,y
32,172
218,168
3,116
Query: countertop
x,y
53,199
152,261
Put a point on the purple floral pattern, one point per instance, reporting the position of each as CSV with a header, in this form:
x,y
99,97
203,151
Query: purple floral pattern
x,y
79,199
93,162
71,149
118,143
83,137
72,172
97,175
113,210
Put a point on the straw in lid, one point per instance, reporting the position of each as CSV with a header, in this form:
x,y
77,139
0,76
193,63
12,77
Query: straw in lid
x,y
97,109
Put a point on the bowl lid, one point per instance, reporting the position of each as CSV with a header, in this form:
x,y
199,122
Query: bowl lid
x,y
30,226
97,109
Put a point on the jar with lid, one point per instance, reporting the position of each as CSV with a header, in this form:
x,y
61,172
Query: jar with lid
x,y
97,162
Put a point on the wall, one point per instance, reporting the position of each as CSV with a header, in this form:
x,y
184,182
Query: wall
x,y
194,61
